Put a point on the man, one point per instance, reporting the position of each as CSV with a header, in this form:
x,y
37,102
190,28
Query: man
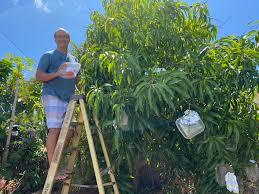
x,y
56,90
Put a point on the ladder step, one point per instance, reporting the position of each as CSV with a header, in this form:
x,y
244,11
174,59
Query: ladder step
x,y
92,186
75,123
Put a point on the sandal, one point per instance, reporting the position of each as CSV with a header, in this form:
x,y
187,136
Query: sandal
x,y
62,175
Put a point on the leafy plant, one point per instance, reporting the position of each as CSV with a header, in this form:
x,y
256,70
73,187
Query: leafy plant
x,y
153,60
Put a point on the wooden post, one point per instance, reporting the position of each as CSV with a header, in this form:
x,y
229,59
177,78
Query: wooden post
x,y
7,145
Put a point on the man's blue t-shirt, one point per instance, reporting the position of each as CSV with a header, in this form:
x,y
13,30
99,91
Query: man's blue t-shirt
x,y
60,87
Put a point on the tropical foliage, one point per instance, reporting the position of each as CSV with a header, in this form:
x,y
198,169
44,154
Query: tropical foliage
x,y
26,159
144,62
153,60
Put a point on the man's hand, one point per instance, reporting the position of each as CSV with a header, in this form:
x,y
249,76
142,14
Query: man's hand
x,y
62,66
69,74
62,73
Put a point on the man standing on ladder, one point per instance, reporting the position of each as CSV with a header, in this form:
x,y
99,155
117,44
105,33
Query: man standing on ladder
x,y
56,91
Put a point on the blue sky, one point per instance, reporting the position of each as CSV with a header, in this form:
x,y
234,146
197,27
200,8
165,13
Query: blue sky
x,y
30,24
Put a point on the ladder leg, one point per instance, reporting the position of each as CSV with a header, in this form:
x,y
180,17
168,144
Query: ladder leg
x,y
59,148
92,149
72,158
106,156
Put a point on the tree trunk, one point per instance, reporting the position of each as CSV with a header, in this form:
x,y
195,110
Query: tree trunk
x,y
6,152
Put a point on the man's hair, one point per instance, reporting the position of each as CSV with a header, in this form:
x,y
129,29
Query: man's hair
x,y
61,29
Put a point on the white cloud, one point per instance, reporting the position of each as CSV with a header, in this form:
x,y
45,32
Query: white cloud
x,y
42,6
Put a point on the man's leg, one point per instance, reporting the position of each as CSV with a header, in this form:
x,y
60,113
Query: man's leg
x,y
51,145
70,134
55,111
51,142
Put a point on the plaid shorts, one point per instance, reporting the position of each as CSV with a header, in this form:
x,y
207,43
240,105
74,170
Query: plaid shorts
x,y
55,110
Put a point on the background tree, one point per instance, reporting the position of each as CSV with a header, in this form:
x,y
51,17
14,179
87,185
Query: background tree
x,y
26,156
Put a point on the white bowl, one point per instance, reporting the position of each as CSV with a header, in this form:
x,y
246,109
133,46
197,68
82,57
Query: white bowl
x,y
71,66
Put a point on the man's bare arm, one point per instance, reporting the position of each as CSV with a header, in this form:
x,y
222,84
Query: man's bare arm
x,y
43,77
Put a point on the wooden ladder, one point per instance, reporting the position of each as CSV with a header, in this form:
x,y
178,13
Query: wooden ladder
x,y
82,119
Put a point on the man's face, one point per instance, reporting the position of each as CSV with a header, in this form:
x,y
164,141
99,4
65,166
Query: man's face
x,y
62,39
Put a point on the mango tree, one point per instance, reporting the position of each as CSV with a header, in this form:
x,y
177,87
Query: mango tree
x,y
146,62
